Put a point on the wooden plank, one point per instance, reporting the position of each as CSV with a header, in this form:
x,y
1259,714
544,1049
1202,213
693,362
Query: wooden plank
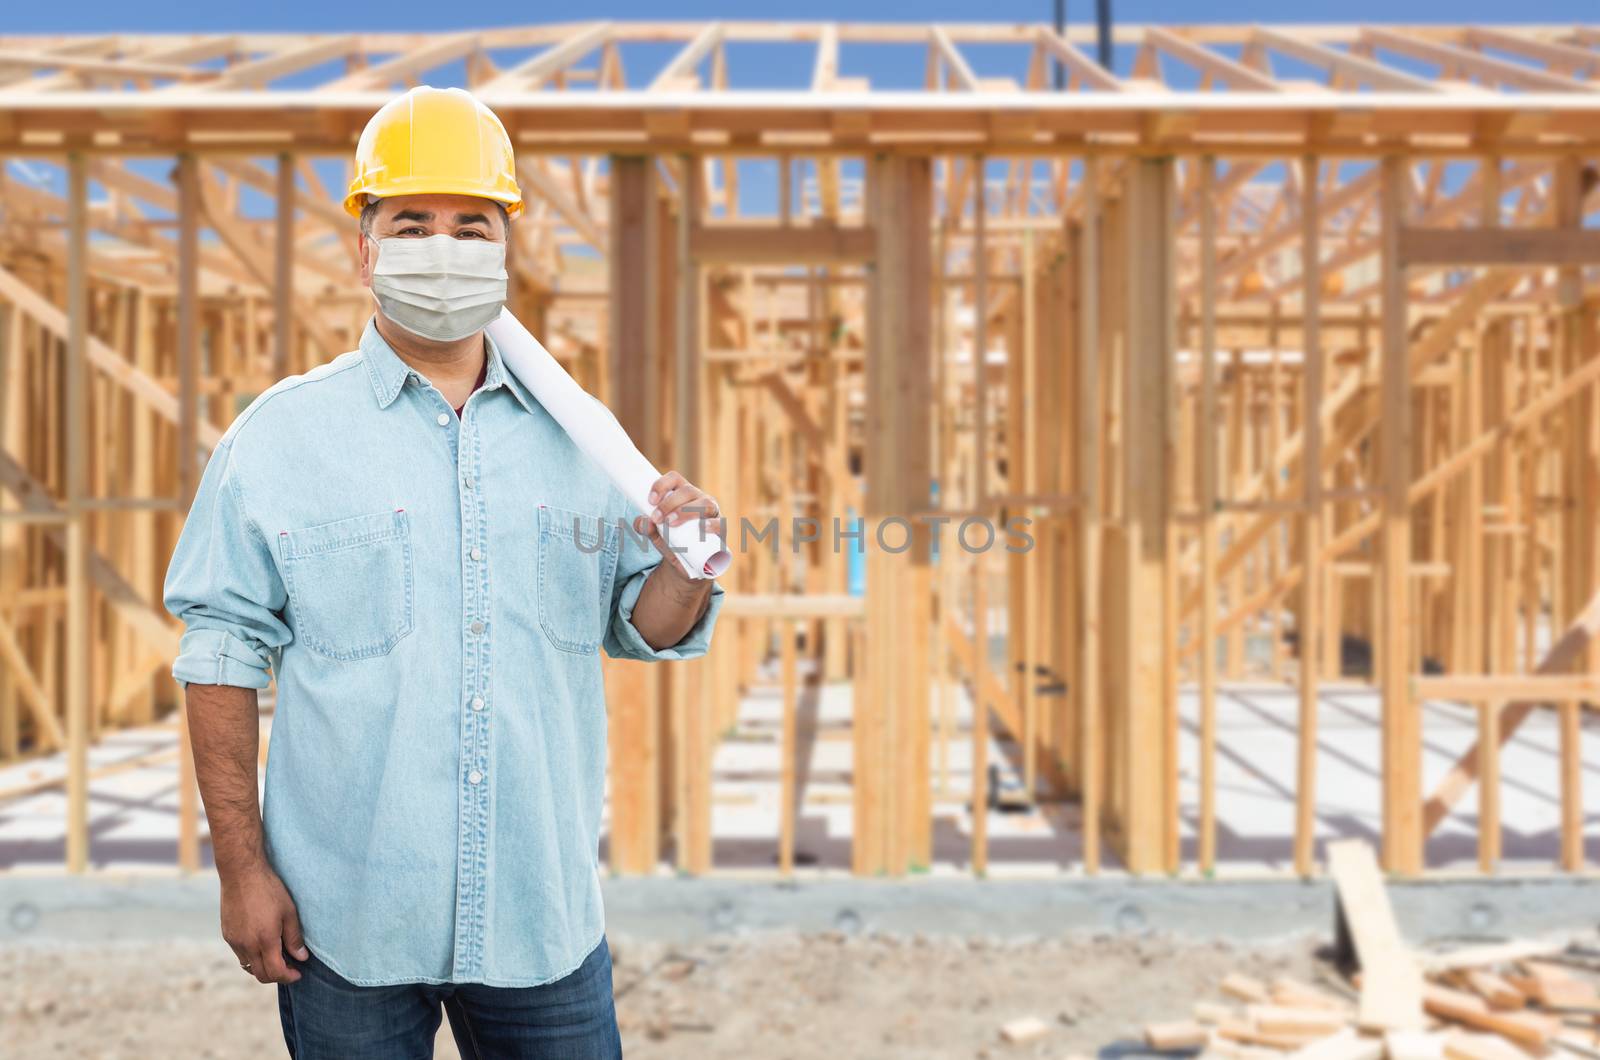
x,y
1080,65
534,178
788,749
153,625
1486,955
244,245
1211,63
1489,785
680,70
286,60
1031,610
1464,1045
1295,1020
408,63
1526,1028
754,244
1296,45
1344,1045
1088,447
1499,246
533,72
111,363
1169,1037
1391,985
283,268
1452,61
1140,574
1476,688
939,40
1306,622
1208,501
77,434
50,735
1402,743
1493,988
980,587
1563,655
190,206
633,337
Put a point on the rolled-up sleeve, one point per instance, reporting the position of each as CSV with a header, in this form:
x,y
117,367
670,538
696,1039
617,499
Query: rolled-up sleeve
x,y
623,641
223,585
635,561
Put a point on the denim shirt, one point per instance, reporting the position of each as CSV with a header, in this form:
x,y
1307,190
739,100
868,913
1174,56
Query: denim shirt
x,y
432,595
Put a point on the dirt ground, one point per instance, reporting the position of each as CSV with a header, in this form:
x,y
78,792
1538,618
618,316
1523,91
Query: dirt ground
x,y
785,997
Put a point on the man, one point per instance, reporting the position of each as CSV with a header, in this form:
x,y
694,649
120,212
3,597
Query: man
x,y
430,567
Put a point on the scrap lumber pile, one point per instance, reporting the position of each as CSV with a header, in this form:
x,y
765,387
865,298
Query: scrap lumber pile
x,y
1506,1001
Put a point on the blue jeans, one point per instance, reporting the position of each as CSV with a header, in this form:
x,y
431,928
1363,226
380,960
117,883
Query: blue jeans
x,y
326,1017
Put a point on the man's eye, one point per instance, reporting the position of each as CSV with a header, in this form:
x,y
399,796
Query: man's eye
x,y
469,233
413,230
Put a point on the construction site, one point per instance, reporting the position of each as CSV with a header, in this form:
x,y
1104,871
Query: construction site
x,y
1161,464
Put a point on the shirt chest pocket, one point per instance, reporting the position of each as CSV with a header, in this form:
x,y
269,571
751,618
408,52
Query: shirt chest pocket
x,y
577,564
350,584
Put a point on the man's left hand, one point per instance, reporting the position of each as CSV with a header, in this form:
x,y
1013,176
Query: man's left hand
x,y
677,501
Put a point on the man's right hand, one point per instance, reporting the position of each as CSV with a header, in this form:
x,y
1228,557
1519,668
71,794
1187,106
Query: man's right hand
x,y
260,923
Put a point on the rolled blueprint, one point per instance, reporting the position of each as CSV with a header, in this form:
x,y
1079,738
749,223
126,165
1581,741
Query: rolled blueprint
x,y
602,439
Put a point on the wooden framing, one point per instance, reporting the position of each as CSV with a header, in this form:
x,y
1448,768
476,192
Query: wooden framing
x,y
1269,367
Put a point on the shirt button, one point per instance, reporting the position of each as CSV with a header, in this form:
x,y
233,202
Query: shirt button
x,y
467,480
477,625
474,776
477,553
477,702
444,419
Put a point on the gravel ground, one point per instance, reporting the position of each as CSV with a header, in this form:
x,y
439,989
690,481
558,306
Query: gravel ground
x,y
785,997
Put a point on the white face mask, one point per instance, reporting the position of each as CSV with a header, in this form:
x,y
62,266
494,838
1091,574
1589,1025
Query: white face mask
x,y
441,287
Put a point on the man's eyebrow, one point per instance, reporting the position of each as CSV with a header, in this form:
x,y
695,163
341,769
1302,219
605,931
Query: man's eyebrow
x,y
412,215
472,219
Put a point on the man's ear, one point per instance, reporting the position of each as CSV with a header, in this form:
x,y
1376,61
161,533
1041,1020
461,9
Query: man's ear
x,y
367,255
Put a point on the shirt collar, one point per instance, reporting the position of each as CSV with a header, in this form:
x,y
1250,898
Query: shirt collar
x,y
388,372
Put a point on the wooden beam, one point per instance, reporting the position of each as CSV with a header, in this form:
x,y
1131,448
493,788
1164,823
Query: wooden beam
x,y
1402,736
76,431
826,68
1566,653
406,64
1499,246
259,72
1206,425
1080,65
1362,71
1139,651
111,363
1582,62
1088,420
678,73
1541,688
752,244
1449,58
283,268
1215,64
534,72
1309,618
633,338
533,177
50,735
939,40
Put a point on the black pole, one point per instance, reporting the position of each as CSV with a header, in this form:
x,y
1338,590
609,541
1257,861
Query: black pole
x,y
1102,17
1061,25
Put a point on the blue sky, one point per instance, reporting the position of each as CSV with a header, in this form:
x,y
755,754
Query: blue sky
x,y
100,16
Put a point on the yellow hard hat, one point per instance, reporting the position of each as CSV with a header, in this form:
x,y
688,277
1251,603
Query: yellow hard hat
x,y
434,141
